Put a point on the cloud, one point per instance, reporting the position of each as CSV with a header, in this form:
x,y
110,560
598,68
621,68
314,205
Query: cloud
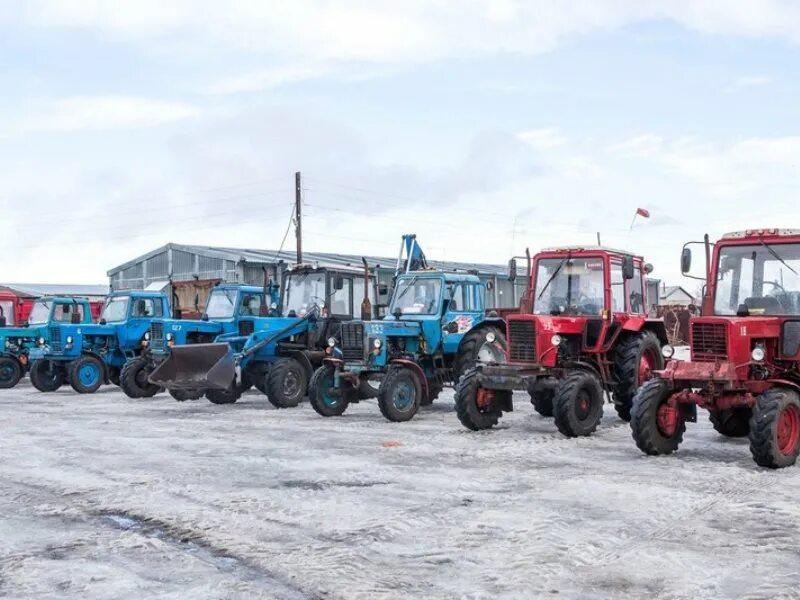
x,y
543,138
102,112
752,81
266,79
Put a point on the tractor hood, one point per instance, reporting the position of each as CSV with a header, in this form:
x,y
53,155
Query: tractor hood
x,y
717,339
530,337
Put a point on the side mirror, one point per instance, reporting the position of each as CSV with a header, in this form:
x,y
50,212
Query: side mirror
x,y
686,260
512,269
397,314
102,322
628,271
338,282
197,302
648,268
204,317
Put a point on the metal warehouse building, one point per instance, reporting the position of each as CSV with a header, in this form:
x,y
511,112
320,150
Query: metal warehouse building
x,y
192,271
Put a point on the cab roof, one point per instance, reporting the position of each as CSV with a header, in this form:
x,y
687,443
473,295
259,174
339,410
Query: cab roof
x,y
237,286
446,275
603,249
758,233
62,299
137,293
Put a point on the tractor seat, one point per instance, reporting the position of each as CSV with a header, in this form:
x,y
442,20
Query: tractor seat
x,y
768,304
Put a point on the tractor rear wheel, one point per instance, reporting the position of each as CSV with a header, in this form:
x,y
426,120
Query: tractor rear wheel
x,y
133,379
113,375
775,428
636,358
287,383
478,408
184,395
10,372
224,396
46,376
578,404
542,401
86,374
732,422
323,399
400,394
657,427
470,347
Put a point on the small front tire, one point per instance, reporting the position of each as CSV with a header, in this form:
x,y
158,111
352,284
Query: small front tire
x,y
10,372
327,404
775,429
400,394
478,408
287,383
133,379
86,374
578,404
46,376
656,426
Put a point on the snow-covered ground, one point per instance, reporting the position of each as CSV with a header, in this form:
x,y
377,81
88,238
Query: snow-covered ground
x,y
106,497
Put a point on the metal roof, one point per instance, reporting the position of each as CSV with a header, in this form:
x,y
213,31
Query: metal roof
x,y
253,255
56,289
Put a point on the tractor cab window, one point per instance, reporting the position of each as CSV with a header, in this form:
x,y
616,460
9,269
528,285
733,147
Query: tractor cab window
x,y
40,313
340,299
617,289
416,296
221,304
303,292
146,307
636,293
570,286
7,310
115,309
62,313
758,280
250,305
459,297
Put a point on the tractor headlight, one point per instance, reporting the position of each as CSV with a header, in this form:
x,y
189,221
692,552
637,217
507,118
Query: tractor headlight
x,y
274,306
69,339
8,344
556,340
170,337
758,354
377,343
331,341
490,337
40,341
147,336
667,351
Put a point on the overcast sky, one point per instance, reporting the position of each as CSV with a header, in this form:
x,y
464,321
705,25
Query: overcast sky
x,y
484,127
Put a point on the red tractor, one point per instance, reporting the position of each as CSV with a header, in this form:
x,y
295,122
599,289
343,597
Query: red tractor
x,y
745,352
585,333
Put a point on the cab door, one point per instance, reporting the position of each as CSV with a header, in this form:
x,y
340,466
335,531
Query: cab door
x,y
462,310
141,311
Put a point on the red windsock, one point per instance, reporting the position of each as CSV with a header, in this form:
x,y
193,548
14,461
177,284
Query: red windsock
x,y
642,212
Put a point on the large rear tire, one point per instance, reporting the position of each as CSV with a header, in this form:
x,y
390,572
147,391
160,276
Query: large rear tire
x,y
733,422
46,376
223,396
86,374
133,379
10,372
327,404
578,404
287,383
470,347
400,394
636,358
657,427
478,408
775,429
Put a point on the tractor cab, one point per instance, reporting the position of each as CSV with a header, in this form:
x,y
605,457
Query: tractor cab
x,y
745,352
582,299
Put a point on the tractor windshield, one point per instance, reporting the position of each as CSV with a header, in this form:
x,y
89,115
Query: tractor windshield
x,y
416,296
116,309
221,304
7,311
40,313
571,286
303,292
758,280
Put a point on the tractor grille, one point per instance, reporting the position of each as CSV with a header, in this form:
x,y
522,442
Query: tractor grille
x,y
246,327
709,341
55,339
157,335
352,342
521,340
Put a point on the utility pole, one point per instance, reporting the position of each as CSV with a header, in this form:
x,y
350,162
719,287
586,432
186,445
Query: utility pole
x,y
298,216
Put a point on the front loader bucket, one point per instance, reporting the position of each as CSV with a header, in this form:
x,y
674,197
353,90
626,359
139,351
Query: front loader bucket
x,y
196,366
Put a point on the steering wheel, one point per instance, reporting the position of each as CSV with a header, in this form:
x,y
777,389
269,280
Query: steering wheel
x,y
777,285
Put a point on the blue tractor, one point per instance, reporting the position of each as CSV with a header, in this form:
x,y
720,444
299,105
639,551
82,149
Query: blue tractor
x,y
17,342
277,354
89,355
227,304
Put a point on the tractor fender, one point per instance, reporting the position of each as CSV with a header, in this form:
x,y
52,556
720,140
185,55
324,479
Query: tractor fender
x,y
784,383
637,324
336,363
414,367
16,358
585,366
491,321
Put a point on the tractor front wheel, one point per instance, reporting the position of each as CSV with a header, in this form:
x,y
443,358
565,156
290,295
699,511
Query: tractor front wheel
x,y
46,376
86,374
478,408
287,383
732,422
133,379
775,428
635,360
542,401
657,427
10,372
400,394
184,395
578,404
224,396
324,398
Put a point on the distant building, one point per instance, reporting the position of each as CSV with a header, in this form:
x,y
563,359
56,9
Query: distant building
x,y
37,290
675,295
191,271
